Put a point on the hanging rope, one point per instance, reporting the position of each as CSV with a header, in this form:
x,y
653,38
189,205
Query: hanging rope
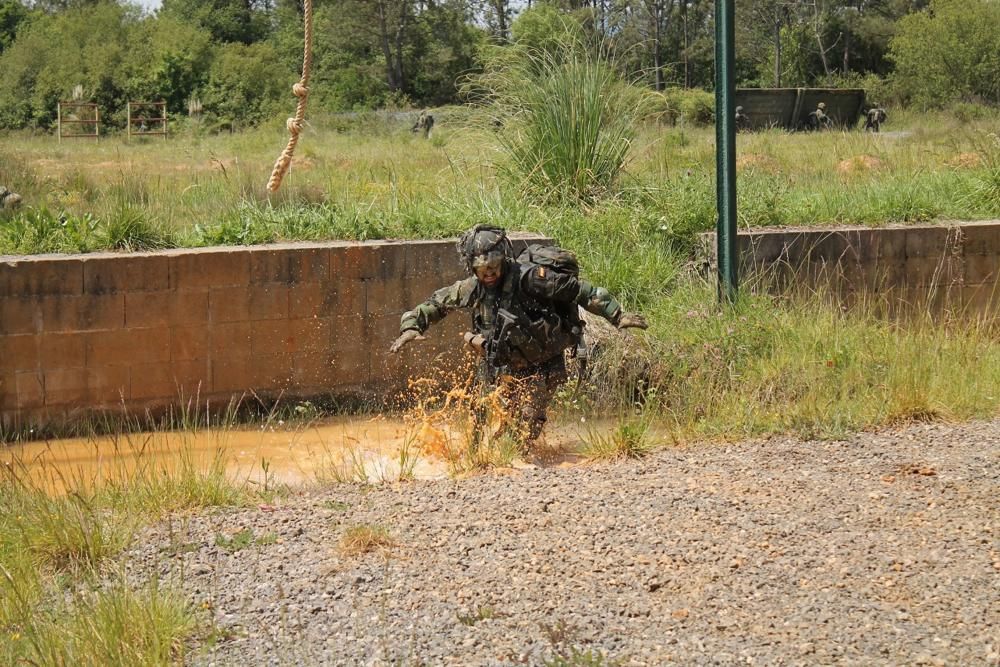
x,y
301,90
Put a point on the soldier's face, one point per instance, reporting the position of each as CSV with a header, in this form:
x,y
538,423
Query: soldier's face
x,y
488,268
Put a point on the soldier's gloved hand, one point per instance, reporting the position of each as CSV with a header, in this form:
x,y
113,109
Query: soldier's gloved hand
x,y
404,338
632,321
475,342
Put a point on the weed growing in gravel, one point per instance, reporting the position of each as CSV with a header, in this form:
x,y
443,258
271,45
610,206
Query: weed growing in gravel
x,y
629,439
577,657
243,539
336,505
482,613
565,652
365,538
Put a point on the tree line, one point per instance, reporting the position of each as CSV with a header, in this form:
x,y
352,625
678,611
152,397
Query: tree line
x,y
234,60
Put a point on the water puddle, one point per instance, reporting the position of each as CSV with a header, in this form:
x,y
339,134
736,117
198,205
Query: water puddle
x,y
340,449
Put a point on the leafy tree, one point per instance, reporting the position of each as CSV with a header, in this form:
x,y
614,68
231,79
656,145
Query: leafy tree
x,y
86,46
13,14
175,61
390,52
498,15
247,83
56,6
762,22
245,21
949,52
445,45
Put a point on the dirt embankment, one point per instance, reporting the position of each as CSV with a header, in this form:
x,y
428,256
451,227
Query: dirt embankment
x,y
880,550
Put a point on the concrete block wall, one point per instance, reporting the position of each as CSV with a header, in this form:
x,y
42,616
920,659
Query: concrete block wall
x,y
144,331
952,267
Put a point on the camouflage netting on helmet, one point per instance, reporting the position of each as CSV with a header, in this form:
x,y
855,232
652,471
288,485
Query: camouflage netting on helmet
x,y
481,240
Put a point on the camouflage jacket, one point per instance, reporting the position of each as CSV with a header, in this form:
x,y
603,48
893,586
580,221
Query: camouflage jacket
x,y
544,301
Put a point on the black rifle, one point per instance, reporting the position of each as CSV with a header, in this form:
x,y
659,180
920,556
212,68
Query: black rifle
x,y
498,345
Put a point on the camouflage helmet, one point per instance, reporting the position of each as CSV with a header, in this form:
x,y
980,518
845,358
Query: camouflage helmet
x,y
739,109
483,240
821,105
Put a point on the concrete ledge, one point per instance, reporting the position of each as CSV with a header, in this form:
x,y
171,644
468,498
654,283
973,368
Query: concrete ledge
x,y
951,267
109,332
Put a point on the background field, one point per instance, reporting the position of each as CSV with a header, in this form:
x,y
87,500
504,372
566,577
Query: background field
x,y
767,365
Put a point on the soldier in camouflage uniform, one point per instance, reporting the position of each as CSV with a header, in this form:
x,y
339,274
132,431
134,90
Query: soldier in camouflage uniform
x,y
425,122
818,120
742,120
874,118
534,308
8,199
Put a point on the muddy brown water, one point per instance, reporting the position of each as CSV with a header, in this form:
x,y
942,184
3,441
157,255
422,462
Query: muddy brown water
x,y
345,448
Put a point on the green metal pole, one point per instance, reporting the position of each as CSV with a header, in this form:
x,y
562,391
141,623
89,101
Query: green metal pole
x,y
725,148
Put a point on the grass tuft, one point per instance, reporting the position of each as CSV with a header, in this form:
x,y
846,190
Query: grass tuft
x,y
629,439
108,626
567,122
365,538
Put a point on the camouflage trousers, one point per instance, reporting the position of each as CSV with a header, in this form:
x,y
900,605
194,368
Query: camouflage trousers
x,y
527,393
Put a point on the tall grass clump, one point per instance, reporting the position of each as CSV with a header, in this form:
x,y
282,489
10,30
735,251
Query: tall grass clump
x,y
60,601
54,610
566,121
799,364
114,625
985,190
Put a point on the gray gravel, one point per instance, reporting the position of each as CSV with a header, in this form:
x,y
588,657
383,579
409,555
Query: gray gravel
x,y
880,550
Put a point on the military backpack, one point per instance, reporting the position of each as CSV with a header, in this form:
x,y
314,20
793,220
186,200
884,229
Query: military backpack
x,y
552,257
538,317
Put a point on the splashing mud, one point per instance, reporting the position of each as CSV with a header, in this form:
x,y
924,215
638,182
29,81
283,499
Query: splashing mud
x,y
429,442
453,426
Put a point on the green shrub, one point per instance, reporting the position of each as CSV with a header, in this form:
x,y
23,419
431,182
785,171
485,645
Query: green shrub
x,y
694,106
568,121
970,112
948,52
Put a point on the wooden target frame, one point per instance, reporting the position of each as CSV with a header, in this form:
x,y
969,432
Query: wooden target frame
x,y
73,107
160,119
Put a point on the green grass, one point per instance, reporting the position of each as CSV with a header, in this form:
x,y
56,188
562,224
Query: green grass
x,y
628,439
115,625
195,191
61,602
800,365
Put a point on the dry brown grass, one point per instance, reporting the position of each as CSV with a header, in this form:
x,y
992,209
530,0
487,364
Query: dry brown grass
x,y
365,538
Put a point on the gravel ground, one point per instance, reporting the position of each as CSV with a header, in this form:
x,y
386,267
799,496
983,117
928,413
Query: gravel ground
x,y
882,549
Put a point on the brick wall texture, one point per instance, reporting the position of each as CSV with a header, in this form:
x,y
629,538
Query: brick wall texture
x,y
106,332
950,268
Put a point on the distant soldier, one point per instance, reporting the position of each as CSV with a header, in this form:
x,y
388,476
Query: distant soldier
x,y
874,119
742,120
9,200
425,122
818,120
